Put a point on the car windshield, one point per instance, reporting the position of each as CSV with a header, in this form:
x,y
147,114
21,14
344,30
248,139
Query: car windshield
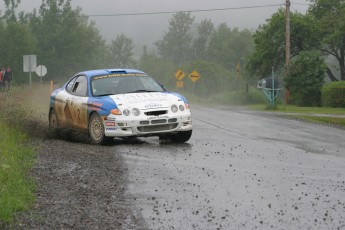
x,y
108,85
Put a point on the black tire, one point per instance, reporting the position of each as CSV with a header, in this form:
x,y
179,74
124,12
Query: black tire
x,y
96,130
181,137
54,126
164,137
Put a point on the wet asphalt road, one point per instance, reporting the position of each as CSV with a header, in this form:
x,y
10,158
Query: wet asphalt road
x,y
240,170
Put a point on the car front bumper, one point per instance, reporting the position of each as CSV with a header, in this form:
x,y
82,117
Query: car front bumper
x,y
126,127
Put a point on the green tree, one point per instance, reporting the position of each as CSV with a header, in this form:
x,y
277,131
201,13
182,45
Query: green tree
x,y
214,78
66,41
177,42
330,17
229,47
269,40
122,51
161,69
10,10
205,30
17,41
305,78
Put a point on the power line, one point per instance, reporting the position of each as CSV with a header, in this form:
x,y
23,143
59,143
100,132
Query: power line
x,y
301,4
173,12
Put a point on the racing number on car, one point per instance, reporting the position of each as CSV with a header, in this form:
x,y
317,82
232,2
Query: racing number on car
x,y
81,118
77,111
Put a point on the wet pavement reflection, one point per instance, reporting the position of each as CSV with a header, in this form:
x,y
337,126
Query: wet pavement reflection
x,y
240,170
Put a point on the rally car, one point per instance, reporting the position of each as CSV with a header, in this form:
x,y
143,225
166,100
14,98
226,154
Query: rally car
x,y
121,103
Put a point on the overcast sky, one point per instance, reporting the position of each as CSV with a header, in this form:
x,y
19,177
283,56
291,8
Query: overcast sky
x,y
249,14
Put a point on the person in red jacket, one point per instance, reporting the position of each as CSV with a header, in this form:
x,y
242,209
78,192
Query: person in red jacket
x,y
2,73
7,78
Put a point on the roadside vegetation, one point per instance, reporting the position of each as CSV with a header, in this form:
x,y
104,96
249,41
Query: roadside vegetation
x,y
332,121
17,154
16,158
323,115
23,121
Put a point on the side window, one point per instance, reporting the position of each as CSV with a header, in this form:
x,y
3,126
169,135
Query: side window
x,y
80,86
70,85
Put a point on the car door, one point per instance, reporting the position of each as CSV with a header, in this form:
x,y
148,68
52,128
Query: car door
x,y
62,104
77,103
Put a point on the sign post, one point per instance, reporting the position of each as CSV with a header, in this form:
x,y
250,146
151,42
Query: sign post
x,y
238,69
194,77
29,64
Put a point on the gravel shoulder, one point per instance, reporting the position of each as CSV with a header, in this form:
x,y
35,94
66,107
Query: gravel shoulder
x,y
79,186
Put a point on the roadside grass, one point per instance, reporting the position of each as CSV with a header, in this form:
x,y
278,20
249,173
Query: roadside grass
x,y
334,121
323,115
17,154
295,109
16,159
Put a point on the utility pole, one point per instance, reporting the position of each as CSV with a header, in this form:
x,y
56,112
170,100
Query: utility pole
x,y
287,44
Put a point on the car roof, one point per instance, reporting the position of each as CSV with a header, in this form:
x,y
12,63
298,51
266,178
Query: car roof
x,y
90,73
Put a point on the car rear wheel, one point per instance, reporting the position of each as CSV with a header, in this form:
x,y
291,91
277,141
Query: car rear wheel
x,y
53,122
96,130
181,137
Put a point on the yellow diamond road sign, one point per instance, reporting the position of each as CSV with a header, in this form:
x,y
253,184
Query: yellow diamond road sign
x,y
179,75
194,76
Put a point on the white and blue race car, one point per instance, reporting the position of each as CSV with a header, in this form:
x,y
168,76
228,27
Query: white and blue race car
x,y
112,103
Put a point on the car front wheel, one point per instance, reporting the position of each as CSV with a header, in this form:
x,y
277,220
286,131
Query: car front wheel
x,y
96,130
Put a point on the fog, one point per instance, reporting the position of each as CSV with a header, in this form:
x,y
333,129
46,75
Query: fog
x,y
145,29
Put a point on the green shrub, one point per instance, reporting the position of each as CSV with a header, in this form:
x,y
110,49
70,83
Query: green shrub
x,y
305,78
333,94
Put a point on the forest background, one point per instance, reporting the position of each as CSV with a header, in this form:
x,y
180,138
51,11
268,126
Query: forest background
x,y
230,61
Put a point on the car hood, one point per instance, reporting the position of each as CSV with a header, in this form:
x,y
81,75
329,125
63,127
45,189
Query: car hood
x,y
151,100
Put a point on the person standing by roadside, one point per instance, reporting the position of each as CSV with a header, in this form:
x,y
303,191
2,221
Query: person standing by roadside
x,y
2,82
7,78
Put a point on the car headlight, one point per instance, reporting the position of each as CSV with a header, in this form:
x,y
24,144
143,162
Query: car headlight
x,y
181,107
174,108
136,112
126,112
116,112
